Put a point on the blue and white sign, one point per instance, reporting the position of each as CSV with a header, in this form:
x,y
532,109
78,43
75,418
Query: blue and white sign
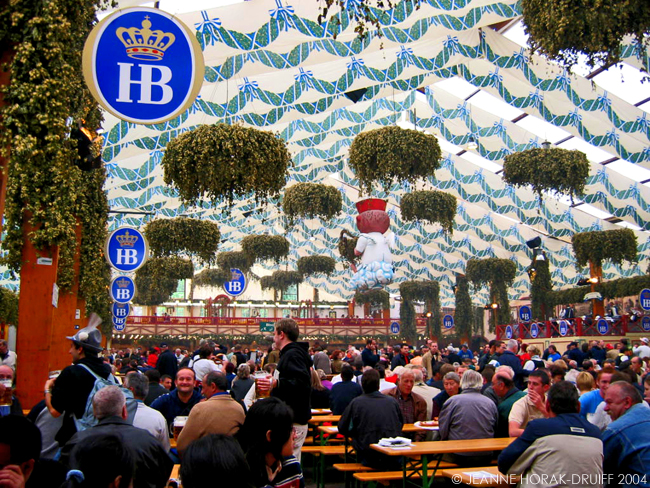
x,y
525,315
122,289
509,332
237,284
564,327
448,321
126,249
143,65
394,328
644,299
119,323
603,326
534,330
645,323
121,310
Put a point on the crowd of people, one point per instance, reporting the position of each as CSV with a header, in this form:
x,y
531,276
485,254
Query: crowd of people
x,y
245,415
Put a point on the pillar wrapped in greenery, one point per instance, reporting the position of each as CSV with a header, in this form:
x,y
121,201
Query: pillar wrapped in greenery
x,y
377,298
190,237
564,30
427,292
541,287
264,247
393,155
311,265
463,316
311,200
158,278
499,275
616,245
226,162
554,169
432,206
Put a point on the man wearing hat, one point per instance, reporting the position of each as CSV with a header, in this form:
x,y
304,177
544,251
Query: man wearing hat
x,y
68,394
643,351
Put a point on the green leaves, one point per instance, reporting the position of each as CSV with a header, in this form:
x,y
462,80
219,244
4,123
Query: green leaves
x,y
392,154
555,169
347,243
425,291
8,306
376,298
234,259
226,162
429,206
615,245
158,278
213,277
193,237
310,265
483,271
264,247
281,280
311,200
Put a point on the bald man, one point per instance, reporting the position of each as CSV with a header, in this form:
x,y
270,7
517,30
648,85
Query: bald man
x,y
7,374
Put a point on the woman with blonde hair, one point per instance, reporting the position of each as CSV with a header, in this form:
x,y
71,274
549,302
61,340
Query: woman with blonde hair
x,y
585,382
320,396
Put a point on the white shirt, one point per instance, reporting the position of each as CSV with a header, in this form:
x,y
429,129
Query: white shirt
x,y
643,351
10,360
203,367
153,422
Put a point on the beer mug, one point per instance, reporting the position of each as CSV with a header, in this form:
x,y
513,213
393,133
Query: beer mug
x,y
179,423
262,388
7,393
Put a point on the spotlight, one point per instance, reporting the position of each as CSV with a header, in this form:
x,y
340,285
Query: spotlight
x,y
534,243
471,144
494,306
428,314
583,282
593,280
538,254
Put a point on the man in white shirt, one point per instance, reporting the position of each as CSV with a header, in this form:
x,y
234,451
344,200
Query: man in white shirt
x,y
146,417
7,357
643,350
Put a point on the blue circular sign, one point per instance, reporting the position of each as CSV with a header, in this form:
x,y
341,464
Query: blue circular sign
x,y
394,328
126,249
237,284
143,65
509,332
525,315
121,310
645,323
644,299
603,326
534,330
564,327
448,321
119,324
122,289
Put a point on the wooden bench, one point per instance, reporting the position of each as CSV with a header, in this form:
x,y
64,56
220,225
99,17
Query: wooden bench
x,y
174,476
321,452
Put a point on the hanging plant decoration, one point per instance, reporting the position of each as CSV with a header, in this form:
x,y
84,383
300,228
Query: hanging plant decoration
x,y
553,169
428,292
158,278
393,155
180,235
8,306
564,30
499,275
541,286
464,313
624,287
280,280
264,247
311,265
213,277
616,245
430,206
234,259
311,200
226,162
376,298
347,243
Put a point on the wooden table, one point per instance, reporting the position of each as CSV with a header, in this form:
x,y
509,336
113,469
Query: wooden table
x,y
321,411
419,453
472,477
321,419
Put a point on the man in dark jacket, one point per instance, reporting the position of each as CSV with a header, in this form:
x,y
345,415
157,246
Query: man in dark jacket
x,y
344,391
369,418
292,379
155,388
509,358
179,401
153,465
167,362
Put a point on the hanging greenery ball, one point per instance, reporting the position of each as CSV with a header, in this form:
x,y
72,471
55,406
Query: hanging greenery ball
x,y
158,278
616,245
311,200
264,247
376,298
226,162
213,277
280,280
234,259
481,272
393,155
347,243
430,206
180,235
554,169
310,265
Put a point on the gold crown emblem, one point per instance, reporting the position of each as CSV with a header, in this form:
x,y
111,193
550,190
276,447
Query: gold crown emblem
x,y
122,283
126,239
144,43
234,275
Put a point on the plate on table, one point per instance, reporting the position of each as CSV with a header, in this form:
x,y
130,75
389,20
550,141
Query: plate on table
x,y
428,425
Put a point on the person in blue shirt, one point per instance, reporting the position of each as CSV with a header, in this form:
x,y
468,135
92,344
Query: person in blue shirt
x,y
465,353
590,401
178,402
553,355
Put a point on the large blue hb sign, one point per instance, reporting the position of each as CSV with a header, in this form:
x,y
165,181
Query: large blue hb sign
x,y
121,310
448,321
122,289
237,284
143,65
126,249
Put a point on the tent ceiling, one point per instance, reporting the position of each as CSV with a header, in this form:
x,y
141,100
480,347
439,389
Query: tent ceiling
x,y
442,69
